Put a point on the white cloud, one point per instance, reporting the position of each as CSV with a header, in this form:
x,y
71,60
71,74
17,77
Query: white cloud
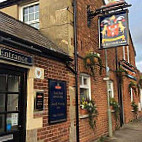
x,y
139,65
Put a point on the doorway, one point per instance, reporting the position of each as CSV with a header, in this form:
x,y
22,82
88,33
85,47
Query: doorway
x,y
12,104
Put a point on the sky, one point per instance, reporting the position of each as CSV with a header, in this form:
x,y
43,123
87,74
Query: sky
x,y
135,22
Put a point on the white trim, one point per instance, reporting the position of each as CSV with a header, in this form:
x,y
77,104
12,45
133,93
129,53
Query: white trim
x,y
132,98
21,17
124,57
128,54
88,86
111,89
22,7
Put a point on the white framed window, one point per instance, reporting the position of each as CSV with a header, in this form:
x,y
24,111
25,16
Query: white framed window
x,y
29,14
110,89
126,55
132,97
85,87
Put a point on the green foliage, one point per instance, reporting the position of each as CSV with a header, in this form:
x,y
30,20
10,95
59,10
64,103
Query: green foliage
x,y
91,108
102,139
135,107
91,65
120,71
115,107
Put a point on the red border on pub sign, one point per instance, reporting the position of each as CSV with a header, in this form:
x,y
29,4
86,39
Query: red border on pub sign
x,y
113,30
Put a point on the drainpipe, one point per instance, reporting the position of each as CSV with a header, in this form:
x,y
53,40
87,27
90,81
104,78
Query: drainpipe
x,y
108,97
76,68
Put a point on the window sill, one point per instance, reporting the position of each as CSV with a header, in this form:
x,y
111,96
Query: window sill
x,y
84,116
132,110
112,111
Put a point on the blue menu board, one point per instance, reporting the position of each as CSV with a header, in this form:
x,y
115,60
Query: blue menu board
x,y
57,102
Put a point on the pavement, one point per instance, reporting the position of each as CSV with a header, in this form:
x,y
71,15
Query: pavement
x,y
131,132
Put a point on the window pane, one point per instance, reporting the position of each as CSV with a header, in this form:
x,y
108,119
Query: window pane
x,y
12,122
110,93
25,10
31,17
25,18
36,7
31,9
12,103
84,93
85,81
2,82
13,83
2,102
2,123
36,15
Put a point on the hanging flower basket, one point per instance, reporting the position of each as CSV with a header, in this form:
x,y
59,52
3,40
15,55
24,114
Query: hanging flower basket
x,y
91,60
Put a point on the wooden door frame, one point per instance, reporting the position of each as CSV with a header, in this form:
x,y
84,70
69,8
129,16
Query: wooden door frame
x,y
23,85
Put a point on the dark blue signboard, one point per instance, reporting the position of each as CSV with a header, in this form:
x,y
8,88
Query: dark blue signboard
x,y
57,101
15,56
113,30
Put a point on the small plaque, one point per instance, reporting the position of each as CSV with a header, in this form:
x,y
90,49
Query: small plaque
x,y
39,101
38,73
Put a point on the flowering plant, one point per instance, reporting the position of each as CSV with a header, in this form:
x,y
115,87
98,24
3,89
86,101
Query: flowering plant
x,y
115,107
91,108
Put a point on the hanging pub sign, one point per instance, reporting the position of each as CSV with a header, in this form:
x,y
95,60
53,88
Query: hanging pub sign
x,y
113,30
131,73
57,101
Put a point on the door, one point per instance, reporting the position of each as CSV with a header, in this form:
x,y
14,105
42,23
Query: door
x,y
12,105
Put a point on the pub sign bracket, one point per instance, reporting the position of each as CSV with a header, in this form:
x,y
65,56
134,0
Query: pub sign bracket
x,y
104,10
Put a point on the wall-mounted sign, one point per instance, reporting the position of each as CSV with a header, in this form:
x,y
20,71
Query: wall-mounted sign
x,y
113,30
57,101
39,101
38,73
129,68
15,56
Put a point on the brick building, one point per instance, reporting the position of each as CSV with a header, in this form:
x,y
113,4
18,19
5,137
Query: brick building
x,y
54,21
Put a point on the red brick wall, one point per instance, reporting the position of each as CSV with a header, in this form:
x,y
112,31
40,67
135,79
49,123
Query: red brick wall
x,y
88,41
53,70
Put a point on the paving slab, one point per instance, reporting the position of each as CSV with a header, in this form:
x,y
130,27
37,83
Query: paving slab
x,y
131,132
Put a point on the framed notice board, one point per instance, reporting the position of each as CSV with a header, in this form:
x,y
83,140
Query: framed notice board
x,y
57,102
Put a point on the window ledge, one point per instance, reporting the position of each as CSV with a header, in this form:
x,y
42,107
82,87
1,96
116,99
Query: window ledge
x,y
112,111
84,116
132,110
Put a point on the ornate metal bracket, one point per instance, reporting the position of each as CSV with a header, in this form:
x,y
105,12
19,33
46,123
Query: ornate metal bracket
x,y
105,10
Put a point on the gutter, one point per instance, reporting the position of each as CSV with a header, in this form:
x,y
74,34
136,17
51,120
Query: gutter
x,y
76,68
